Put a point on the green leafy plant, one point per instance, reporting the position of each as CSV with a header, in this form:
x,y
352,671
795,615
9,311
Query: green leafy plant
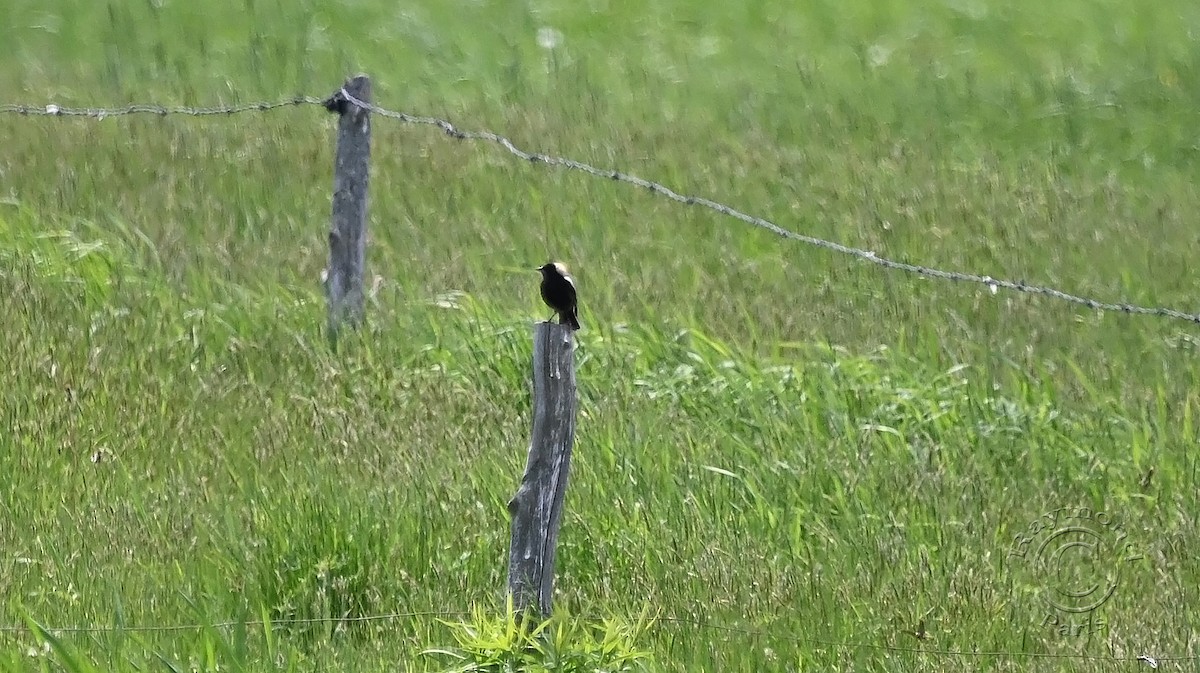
x,y
561,643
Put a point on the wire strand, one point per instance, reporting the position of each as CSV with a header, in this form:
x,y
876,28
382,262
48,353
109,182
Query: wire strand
x,y
993,284
732,630
867,255
53,110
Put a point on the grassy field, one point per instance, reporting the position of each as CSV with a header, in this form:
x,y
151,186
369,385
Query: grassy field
x,y
789,457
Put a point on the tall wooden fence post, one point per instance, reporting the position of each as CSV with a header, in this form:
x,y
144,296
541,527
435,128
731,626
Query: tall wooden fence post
x,y
348,231
537,507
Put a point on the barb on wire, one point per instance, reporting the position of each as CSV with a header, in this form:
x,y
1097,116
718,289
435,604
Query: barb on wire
x,y
53,110
992,283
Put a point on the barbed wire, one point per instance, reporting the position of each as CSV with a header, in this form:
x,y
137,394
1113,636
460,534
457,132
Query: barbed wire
x,y
231,623
993,284
1152,661
870,256
53,110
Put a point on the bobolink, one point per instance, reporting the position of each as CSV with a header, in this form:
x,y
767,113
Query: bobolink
x,y
558,291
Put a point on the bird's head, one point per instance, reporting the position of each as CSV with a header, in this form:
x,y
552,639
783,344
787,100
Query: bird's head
x,y
551,268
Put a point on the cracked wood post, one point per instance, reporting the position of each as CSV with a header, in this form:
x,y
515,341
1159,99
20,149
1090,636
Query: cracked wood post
x,y
537,507
343,277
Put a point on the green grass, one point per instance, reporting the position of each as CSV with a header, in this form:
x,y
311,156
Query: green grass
x,y
811,452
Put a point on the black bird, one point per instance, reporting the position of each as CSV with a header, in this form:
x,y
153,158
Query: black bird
x,y
558,291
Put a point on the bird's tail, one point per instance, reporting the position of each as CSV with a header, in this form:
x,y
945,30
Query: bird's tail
x,y
572,319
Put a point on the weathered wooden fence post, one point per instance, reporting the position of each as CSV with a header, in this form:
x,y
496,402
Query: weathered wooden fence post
x,y
348,231
537,507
